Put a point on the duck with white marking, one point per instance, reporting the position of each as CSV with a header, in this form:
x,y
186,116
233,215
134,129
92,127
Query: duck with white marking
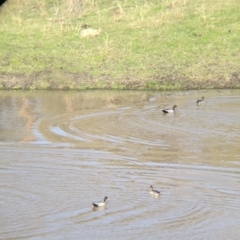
x,y
154,192
200,101
167,110
100,204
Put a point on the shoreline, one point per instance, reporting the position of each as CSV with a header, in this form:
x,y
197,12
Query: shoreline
x,y
70,81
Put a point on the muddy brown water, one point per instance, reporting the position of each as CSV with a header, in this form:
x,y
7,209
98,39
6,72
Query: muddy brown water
x,y
60,151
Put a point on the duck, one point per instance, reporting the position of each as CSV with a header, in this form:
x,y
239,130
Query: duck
x,y
166,110
200,101
100,204
154,192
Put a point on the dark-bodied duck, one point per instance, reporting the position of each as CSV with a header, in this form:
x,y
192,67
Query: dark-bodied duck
x,y
166,110
200,101
154,192
100,204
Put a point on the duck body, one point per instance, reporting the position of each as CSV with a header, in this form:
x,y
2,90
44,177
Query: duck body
x,y
100,204
200,101
166,110
154,192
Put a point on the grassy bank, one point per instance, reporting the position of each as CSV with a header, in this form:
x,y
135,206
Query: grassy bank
x,y
143,44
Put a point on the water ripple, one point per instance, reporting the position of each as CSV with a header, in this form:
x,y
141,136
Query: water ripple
x,y
117,148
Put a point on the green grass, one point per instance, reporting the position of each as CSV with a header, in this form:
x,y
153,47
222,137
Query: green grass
x,y
143,44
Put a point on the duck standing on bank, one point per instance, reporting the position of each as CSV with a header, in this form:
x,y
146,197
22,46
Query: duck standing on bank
x,y
200,101
154,192
100,204
166,110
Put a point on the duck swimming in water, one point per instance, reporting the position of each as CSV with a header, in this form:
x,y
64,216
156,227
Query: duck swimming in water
x,y
166,110
154,192
100,204
200,101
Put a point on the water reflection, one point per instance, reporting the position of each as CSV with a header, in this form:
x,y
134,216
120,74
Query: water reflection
x,y
61,150
26,113
98,208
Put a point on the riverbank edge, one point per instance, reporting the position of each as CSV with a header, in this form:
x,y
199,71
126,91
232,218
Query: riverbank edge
x,y
70,81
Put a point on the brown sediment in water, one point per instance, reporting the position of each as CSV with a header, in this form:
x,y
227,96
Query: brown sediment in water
x,y
118,143
70,81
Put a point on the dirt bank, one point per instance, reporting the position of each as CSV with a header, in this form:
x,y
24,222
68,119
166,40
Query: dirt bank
x,y
65,81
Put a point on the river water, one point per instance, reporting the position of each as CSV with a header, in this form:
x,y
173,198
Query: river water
x,y
60,151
